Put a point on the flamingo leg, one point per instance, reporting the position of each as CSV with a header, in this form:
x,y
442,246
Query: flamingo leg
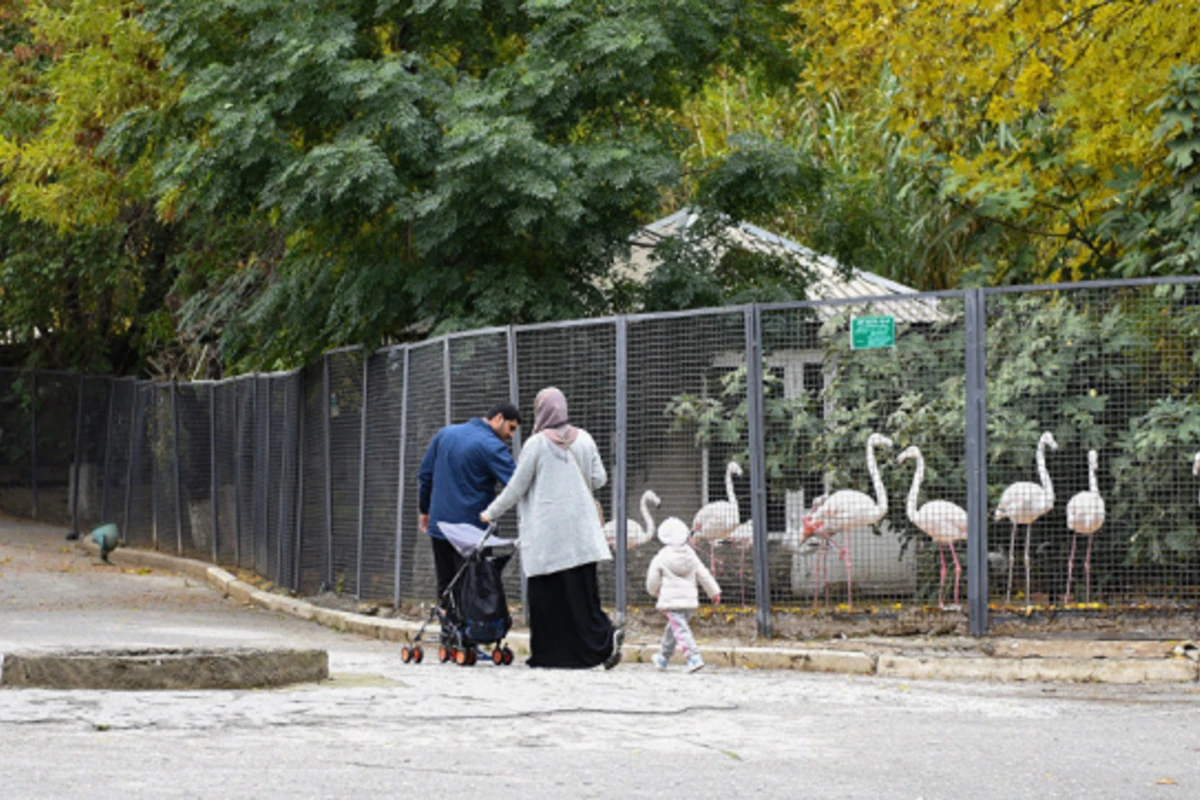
x,y
957,572
1012,541
742,574
1087,572
942,584
1028,536
849,596
1070,568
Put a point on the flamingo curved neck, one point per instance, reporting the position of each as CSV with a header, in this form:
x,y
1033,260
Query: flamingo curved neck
x,y
646,513
915,491
1043,473
729,488
1093,484
876,480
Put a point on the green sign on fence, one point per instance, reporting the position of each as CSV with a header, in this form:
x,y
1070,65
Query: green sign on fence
x,y
869,332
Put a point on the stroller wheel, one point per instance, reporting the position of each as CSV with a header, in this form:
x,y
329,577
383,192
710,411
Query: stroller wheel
x,y
497,656
471,657
418,654
405,654
460,656
507,656
444,654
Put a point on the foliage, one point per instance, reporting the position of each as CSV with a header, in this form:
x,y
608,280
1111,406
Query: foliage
x,y
1034,108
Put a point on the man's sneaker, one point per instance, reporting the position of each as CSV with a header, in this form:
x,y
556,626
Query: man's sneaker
x,y
693,664
659,660
614,658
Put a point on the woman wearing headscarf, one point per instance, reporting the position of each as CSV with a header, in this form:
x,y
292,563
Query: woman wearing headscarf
x,y
561,540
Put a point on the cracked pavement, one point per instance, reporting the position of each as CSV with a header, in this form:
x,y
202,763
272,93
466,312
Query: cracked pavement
x,y
381,726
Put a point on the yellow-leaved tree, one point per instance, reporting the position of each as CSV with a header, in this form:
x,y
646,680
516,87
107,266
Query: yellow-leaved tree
x,y
1041,111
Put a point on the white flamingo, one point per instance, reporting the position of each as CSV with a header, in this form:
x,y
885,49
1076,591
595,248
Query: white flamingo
x,y
742,537
716,520
1196,464
1085,515
635,533
845,510
941,520
1022,503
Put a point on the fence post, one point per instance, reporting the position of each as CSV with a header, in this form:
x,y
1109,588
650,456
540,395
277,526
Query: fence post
x,y
78,457
619,493
514,397
975,309
175,447
212,468
362,473
108,436
400,479
301,413
154,468
33,472
446,375
328,474
238,444
264,444
758,477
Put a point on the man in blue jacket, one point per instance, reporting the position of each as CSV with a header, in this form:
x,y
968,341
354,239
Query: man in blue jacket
x,y
458,478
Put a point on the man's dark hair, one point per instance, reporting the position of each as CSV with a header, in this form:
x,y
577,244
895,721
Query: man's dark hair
x,y
507,410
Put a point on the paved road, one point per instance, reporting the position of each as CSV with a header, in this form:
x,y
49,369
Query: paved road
x,y
384,727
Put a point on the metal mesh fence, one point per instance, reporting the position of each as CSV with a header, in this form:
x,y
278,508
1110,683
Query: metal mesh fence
x,y
688,440
581,361
1112,372
345,442
385,395
1085,463
16,442
426,406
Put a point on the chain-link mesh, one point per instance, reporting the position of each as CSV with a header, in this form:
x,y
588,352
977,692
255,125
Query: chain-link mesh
x,y
225,469
284,454
1109,371
687,443
314,534
345,441
86,476
385,393
581,361
848,389
140,498
426,415
16,442
194,451
246,477
163,463
118,453
56,407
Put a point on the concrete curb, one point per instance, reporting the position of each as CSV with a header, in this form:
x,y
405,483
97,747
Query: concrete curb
x,y
1091,662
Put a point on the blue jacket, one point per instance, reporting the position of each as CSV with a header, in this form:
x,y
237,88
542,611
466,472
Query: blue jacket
x,y
459,472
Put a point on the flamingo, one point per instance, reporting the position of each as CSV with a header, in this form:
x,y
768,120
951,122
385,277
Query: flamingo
x,y
941,520
635,534
845,510
1196,464
1085,515
742,537
1022,503
716,520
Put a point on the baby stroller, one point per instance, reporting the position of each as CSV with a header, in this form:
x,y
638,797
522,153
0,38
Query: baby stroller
x,y
473,611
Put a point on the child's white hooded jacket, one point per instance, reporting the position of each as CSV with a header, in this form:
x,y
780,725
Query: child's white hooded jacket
x,y
673,575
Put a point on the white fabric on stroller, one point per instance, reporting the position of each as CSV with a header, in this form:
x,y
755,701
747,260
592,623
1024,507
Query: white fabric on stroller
x,y
467,538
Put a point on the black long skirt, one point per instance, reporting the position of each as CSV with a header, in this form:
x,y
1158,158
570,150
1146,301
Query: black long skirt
x,y
567,627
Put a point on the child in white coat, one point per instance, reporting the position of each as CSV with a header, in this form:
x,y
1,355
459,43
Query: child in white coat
x,y
672,578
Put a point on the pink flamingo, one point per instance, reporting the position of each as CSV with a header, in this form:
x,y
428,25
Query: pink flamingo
x,y
1022,503
845,510
715,521
941,520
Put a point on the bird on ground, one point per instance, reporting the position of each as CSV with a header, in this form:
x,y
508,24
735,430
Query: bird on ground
x,y
1022,503
714,521
1085,515
635,533
845,510
941,520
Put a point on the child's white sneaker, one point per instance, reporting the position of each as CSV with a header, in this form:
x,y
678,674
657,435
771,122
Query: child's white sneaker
x,y
660,662
693,664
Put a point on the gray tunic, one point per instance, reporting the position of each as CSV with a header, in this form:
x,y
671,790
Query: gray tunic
x,y
557,521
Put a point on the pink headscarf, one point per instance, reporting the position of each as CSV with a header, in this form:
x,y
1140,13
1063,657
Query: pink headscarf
x,y
550,415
